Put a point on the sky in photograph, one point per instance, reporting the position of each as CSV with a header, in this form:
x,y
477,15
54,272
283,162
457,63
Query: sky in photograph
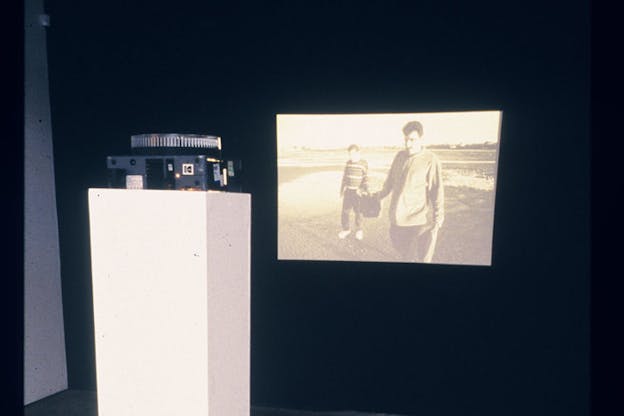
x,y
372,130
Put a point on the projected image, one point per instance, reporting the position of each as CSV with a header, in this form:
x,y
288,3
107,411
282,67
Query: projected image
x,y
412,188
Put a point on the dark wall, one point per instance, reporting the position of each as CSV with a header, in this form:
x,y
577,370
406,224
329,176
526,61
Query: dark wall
x,y
508,339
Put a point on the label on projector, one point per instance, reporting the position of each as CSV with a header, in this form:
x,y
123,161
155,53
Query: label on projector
x,y
187,169
215,172
230,168
134,181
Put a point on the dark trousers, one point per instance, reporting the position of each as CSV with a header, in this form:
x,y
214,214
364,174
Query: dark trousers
x,y
415,243
351,201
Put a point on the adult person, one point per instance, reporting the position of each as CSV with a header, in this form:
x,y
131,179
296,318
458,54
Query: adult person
x,y
417,203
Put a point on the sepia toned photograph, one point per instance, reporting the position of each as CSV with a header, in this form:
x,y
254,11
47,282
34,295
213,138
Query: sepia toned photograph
x,y
401,187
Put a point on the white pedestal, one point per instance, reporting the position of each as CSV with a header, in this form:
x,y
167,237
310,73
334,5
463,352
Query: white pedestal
x,y
171,300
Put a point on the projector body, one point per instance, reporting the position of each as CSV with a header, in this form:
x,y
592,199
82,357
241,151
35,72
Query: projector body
x,y
176,162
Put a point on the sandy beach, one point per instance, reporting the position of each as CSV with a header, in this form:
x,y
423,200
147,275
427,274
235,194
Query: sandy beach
x,y
309,207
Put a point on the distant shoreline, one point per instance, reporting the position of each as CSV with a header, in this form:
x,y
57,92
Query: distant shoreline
x,y
287,174
472,147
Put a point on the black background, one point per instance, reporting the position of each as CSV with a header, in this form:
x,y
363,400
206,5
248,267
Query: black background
x,y
512,338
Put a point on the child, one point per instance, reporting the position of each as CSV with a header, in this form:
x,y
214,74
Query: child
x,y
354,183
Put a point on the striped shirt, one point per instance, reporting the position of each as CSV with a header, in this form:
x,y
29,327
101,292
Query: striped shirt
x,y
355,176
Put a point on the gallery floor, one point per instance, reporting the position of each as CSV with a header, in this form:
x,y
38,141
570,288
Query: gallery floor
x,y
84,403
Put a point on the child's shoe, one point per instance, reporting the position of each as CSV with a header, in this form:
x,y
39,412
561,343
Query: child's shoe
x,y
343,234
